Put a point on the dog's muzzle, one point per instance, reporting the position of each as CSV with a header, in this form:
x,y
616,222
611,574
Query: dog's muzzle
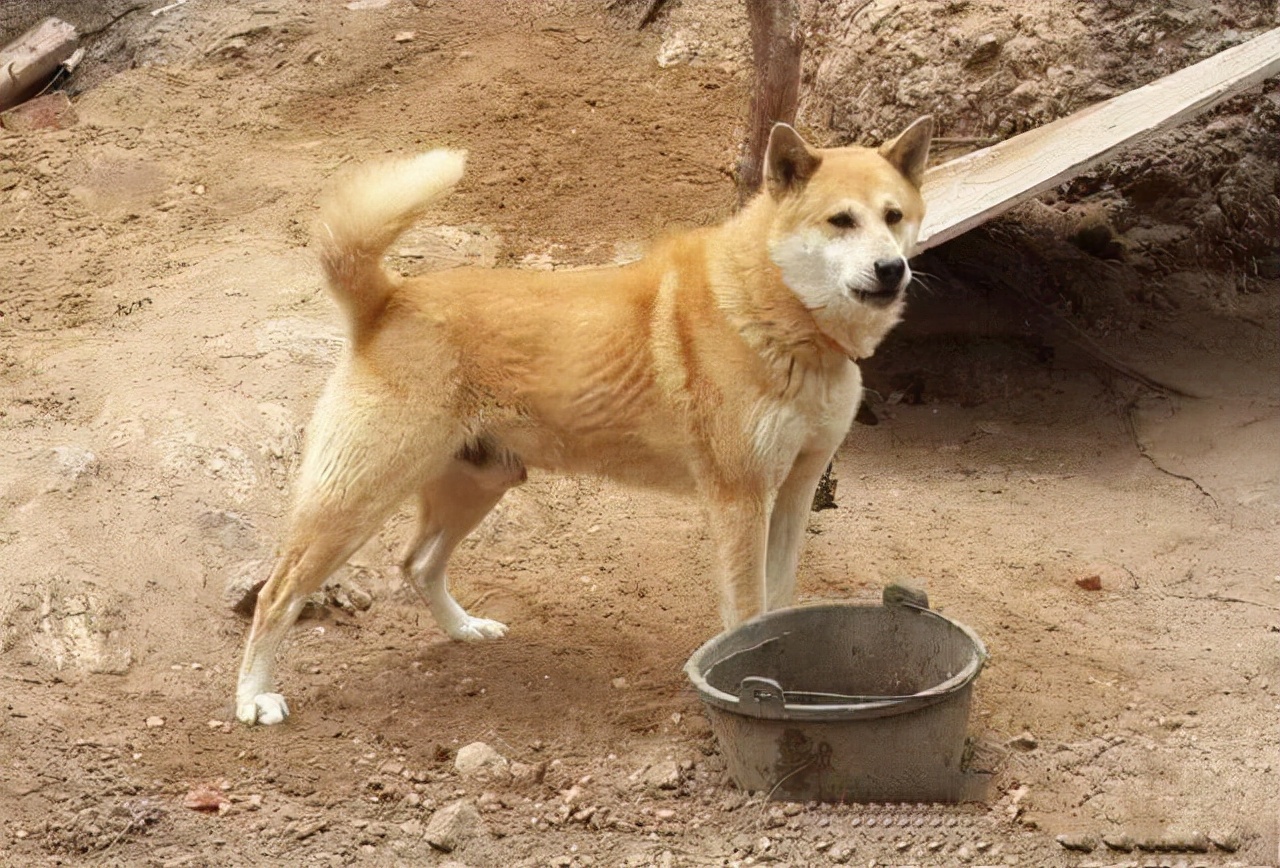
x,y
891,278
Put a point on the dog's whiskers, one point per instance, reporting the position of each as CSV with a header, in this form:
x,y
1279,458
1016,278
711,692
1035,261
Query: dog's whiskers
x,y
919,278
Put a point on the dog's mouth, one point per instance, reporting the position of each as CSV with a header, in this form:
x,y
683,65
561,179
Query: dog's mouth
x,y
876,297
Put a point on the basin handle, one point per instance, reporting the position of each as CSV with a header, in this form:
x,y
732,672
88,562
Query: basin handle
x,y
762,697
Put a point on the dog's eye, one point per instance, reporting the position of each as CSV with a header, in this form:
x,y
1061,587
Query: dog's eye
x,y
892,216
843,220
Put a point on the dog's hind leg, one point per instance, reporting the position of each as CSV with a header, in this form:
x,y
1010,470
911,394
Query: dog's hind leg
x,y
356,470
321,537
452,505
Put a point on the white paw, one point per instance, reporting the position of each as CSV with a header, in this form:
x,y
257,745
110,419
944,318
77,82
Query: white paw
x,y
476,630
265,709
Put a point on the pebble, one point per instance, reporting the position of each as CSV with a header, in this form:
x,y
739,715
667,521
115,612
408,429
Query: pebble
x,y
1122,843
241,592
454,825
528,773
1078,842
663,775
155,722
1227,840
71,464
1089,583
1024,741
204,799
1193,842
985,49
479,760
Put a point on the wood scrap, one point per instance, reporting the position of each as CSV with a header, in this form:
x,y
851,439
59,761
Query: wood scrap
x,y
30,61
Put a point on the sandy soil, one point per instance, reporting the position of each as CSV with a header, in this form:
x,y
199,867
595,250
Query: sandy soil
x,y
163,334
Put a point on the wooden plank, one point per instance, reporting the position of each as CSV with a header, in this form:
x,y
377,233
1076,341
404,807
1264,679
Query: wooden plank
x,y
971,190
28,62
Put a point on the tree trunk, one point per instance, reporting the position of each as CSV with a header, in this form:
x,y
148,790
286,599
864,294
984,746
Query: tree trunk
x,y
776,44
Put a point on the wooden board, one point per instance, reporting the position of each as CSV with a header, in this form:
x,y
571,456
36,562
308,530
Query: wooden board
x,y
28,62
971,190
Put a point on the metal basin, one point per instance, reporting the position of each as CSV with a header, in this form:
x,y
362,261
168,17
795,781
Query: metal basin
x,y
844,702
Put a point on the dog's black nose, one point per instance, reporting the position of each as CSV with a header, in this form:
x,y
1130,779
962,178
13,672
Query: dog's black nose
x,y
889,272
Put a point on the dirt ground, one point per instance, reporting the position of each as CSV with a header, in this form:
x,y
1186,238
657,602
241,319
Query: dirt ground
x,y
1051,411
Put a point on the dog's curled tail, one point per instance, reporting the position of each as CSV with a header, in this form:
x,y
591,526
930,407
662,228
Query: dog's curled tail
x,y
365,213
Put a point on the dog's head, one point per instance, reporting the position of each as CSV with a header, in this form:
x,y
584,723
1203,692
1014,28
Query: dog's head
x,y
845,221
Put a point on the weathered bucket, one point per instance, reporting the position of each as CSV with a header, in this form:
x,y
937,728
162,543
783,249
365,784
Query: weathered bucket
x,y
844,702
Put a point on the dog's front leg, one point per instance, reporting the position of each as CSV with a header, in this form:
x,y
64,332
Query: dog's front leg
x,y
739,525
787,524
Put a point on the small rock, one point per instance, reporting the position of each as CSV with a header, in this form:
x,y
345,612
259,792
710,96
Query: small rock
x,y
619,683
1078,842
526,773
359,597
454,825
234,47
841,852
71,463
155,722
1089,583
205,799
479,760
663,775
52,111
984,50
303,831
665,814
1268,267
1192,842
241,593
405,36
1227,840
1121,843
1024,741
1025,94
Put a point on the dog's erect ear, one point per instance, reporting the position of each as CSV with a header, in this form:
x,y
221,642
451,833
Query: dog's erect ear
x,y
788,161
910,151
